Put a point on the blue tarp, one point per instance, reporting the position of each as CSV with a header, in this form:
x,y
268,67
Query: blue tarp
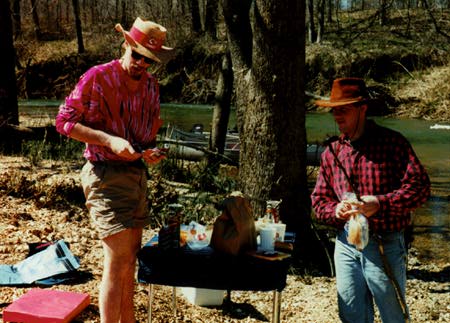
x,y
54,260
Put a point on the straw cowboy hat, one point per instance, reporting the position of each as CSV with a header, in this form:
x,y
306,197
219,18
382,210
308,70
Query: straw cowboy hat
x,y
147,38
348,90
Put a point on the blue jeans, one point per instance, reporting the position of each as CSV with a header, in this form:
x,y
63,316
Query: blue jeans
x,y
361,279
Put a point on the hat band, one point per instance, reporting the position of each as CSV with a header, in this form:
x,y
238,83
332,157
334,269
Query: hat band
x,y
142,38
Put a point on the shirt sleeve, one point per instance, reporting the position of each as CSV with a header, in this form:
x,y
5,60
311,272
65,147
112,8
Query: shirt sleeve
x,y
324,200
414,189
74,106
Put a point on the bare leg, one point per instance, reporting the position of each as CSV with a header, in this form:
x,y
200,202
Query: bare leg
x,y
117,286
127,308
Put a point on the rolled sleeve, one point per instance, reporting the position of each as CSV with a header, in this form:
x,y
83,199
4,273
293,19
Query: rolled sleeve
x,y
66,120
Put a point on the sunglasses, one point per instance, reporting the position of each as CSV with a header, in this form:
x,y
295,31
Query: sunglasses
x,y
136,56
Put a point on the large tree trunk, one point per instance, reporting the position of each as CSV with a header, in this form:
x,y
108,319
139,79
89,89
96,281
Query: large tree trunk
x,y
9,111
267,44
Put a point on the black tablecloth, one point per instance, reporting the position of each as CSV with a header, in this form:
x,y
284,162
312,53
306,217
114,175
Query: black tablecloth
x,y
206,268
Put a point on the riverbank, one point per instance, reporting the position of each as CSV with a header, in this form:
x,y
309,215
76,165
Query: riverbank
x,y
408,70
306,299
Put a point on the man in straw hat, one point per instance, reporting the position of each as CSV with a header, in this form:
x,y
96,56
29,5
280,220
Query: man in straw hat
x,y
115,110
380,168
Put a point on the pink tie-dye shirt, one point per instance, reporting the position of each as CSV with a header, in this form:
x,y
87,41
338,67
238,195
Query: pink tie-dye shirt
x,y
101,100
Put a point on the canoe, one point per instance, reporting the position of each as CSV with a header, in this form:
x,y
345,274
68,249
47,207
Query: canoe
x,y
193,145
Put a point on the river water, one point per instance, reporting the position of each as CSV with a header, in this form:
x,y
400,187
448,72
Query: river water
x,y
431,221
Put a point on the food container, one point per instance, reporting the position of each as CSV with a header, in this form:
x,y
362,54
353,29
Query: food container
x,y
203,296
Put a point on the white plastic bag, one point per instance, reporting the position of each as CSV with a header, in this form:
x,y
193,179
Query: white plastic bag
x,y
197,237
357,227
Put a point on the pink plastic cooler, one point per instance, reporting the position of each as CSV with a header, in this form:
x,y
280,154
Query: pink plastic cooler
x,y
46,306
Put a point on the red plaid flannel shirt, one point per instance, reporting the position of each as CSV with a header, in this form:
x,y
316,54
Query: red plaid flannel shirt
x,y
381,163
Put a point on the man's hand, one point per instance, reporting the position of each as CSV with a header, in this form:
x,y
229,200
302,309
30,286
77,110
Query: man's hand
x,y
122,148
370,205
154,155
345,209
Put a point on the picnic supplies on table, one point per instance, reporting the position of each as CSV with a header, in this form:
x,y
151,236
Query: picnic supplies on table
x,y
46,306
169,234
197,237
234,230
53,260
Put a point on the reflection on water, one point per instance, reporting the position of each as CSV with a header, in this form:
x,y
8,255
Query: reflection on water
x,y
432,230
432,146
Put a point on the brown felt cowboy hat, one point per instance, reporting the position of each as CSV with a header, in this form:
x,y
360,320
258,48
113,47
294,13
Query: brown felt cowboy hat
x,y
348,90
147,38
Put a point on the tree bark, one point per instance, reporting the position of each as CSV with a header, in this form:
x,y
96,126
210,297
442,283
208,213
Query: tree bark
x,y
9,110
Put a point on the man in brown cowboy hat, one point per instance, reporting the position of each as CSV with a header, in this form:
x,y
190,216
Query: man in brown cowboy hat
x,y
115,110
380,168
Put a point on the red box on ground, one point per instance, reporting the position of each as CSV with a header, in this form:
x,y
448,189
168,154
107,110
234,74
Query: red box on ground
x,y
46,306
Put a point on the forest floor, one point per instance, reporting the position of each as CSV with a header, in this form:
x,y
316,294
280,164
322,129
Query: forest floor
x,y
306,298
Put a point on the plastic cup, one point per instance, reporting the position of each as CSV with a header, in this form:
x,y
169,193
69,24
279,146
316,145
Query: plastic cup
x,y
280,231
267,236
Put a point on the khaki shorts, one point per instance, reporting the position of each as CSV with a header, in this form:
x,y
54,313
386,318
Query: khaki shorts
x,y
116,196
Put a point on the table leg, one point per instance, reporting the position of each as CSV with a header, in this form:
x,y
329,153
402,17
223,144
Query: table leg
x,y
276,306
150,302
174,303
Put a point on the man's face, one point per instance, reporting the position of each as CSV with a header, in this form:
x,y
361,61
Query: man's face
x,y
135,64
349,118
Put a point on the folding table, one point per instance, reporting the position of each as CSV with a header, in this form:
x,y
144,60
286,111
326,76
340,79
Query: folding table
x,y
206,268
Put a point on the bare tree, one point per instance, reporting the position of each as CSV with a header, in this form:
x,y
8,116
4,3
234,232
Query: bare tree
x,y
222,107
212,7
330,11
383,12
312,33
16,19
9,111
320,20
195,13
37,26
436,26
76,13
